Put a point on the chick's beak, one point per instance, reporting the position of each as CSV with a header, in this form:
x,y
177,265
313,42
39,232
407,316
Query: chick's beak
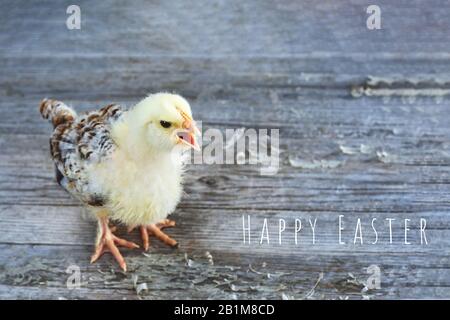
x,y
187,135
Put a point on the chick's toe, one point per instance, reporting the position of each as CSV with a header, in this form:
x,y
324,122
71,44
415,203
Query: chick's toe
x,y
154,229
108,242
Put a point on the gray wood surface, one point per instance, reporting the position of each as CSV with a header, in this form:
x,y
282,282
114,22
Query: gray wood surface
x,y
364,119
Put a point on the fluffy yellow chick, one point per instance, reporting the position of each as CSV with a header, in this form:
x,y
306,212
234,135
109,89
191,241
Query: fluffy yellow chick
x,y
124,165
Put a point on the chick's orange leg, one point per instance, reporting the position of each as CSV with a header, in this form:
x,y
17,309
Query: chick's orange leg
x,y
155,230
108,242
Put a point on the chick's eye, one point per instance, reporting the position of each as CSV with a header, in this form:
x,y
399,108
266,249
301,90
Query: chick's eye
x,y
165,124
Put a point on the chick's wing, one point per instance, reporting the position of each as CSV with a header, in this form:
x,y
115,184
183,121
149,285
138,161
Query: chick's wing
x,y
78,144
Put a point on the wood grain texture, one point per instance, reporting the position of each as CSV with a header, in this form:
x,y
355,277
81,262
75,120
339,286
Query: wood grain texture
x,y
364,133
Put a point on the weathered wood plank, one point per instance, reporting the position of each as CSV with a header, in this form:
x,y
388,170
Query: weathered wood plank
x,y
215,78
225,28
222,230
354,183
40,272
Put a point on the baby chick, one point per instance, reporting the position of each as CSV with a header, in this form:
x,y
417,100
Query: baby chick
x,y
124,165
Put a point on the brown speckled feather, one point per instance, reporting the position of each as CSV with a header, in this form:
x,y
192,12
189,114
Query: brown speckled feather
x,y
79,141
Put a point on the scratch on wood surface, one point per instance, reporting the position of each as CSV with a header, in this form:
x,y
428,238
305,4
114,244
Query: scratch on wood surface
x,y
415,86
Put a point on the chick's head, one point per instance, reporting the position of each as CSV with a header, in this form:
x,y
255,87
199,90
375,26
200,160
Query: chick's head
x,y
164,121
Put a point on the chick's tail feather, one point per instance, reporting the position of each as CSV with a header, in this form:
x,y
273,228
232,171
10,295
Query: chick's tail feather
x,y
56,112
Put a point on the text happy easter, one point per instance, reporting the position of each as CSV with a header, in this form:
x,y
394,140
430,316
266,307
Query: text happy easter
x,y
348,230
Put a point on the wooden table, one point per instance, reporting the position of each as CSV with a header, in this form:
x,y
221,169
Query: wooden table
x,y
364,120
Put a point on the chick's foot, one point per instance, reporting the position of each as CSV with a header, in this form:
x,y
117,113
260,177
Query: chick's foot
x,y
154,229
108,242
